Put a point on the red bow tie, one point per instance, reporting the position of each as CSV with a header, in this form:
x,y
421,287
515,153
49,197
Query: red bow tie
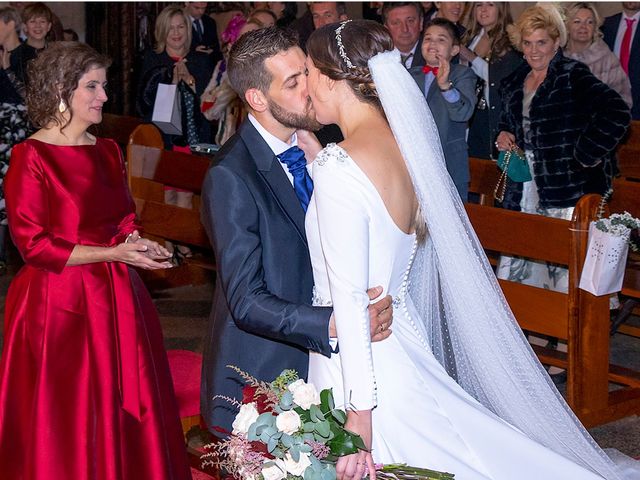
x,y
427,68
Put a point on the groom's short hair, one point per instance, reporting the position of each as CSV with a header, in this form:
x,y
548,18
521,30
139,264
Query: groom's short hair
x,y
246,68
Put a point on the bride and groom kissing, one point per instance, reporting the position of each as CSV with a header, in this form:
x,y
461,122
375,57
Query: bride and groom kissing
x,y
455,387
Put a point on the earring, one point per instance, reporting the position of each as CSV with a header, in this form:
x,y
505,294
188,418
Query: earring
x,y
62,107
524,57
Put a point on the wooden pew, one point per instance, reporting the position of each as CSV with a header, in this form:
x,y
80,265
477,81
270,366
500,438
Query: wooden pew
x,y
150,170
578,317
626,197
629,153
484,178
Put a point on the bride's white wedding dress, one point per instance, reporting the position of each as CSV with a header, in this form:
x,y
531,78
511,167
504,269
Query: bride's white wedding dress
x,y
421,416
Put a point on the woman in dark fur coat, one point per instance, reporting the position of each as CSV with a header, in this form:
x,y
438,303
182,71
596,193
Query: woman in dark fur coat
x,y
567,122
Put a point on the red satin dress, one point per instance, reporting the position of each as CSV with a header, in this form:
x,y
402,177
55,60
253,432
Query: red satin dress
x,y
85,387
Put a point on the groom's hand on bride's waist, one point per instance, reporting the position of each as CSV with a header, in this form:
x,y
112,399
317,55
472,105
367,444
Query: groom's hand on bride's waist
x,y
380,316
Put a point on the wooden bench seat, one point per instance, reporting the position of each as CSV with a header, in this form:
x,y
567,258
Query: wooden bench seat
x,y
151,170
579,318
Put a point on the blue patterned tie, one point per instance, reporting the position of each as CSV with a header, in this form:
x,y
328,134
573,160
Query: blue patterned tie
x,y
294,159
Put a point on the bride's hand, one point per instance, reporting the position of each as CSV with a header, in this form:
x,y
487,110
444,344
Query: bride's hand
x,y
358,465
309,143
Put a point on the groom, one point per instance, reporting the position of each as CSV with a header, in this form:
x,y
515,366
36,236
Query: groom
x,y
253,208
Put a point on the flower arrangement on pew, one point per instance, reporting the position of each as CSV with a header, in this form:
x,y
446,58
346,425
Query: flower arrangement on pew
x,y
287,430
618,224
609,241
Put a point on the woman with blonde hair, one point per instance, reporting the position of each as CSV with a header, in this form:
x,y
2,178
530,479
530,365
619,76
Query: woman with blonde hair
x,y
488,51
585,44
567,122
172,62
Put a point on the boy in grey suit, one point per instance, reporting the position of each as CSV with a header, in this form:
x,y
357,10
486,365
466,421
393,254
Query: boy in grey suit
x,y
450,92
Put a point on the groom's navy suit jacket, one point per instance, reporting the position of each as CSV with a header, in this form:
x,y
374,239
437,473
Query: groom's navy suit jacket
x,y
261,320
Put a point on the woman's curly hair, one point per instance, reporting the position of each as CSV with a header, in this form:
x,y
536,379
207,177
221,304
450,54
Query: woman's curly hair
x,y
362,39
54,75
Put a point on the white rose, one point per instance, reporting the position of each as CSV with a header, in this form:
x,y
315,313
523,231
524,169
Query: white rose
x,y
274,472
246,416
295,385
288,422
306,395
297,468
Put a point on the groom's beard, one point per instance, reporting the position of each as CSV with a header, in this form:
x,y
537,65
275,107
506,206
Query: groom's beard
x,y
304,121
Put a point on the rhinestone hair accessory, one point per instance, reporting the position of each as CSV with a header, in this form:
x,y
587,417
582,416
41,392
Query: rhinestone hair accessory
x,y
341,50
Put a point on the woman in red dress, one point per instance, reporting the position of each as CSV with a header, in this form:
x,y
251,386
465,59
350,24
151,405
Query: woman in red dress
x,y
85,387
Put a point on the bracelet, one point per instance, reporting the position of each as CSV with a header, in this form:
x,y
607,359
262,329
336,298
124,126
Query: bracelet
x,y
449,87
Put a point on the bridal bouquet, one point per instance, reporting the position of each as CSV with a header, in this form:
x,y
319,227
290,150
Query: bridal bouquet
x,y
286,429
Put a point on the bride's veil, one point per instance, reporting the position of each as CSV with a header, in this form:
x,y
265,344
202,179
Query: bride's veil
x,y
465,315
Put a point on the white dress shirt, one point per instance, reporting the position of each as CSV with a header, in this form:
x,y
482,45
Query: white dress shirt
x,y
411,53
276,145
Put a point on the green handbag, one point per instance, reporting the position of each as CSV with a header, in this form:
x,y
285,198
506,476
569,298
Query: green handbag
x,y
513,164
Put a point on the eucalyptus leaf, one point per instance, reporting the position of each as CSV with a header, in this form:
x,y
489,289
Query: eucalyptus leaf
x,y
266,418
316,414
304,448
326,400
278,452
323,429
287,440
312,474
295,454
286,401
340,416
252,436
328,474
315,463
272,444
308,427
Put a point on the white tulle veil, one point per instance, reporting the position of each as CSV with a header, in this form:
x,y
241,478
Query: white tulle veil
x,y
465,315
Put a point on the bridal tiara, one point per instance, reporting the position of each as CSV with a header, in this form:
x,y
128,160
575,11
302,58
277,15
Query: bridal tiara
x,y
341,50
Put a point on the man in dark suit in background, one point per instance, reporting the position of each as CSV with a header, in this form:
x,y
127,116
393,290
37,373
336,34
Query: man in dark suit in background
x,y
622,35
253,207
404,20
204,34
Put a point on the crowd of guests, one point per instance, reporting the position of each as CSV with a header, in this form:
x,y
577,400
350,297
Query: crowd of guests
x,y
459,53
558,90
492,83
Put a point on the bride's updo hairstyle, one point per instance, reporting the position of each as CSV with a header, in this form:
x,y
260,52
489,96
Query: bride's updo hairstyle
x,y
341,52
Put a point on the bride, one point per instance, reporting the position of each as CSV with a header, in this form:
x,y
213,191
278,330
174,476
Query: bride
x,y
456,387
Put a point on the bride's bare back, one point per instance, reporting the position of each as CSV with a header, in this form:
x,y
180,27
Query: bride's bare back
x,y
374,149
